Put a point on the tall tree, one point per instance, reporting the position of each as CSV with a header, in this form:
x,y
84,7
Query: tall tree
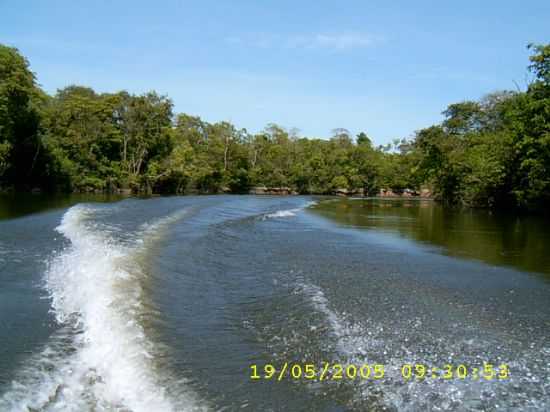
x,y
82,138
145,123
20,99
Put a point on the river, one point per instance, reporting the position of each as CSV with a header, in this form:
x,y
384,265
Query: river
x,y
164,304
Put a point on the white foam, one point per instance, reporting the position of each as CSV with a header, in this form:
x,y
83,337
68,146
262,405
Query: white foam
x,y
95,288
289,212
356,342
348,337
282,213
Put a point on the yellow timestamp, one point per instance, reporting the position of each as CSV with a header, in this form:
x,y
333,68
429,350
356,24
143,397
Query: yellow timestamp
x,y
486,372
310,371
327,371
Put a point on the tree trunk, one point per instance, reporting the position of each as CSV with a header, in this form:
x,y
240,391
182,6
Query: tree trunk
x,y
225,152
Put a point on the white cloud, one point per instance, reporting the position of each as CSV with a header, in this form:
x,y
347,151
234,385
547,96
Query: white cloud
x,y
323,41
338,41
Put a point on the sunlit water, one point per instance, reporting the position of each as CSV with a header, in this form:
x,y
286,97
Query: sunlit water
x,y
163,304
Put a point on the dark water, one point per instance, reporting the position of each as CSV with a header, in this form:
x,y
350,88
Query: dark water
x,y
163,304
498,238
14,205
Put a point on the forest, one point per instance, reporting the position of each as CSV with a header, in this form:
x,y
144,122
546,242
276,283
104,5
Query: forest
x,y
494,152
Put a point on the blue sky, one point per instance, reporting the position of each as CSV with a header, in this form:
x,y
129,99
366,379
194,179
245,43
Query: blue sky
x,y
386,68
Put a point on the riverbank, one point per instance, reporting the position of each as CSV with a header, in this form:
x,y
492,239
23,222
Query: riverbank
x,y
254,190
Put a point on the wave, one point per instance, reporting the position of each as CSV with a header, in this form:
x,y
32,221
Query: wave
x,y
368,342
95,287
351,339
289,212
282,213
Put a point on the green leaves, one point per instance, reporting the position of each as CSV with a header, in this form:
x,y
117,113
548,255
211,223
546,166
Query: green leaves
x,y
540,61
494,152
5,149
19,120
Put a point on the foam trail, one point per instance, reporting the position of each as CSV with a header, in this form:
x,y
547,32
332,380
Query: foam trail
x,y
355,343
344,333
289,212
282,213
95,288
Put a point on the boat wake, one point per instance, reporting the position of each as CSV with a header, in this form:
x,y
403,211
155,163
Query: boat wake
x,y
288,212
366,342
101,358
282,213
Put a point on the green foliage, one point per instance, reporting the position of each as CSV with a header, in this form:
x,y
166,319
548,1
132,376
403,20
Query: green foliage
x,y
340,182
21,156
485,170
540,62
82,137
5,150
462,118
492,153
363,139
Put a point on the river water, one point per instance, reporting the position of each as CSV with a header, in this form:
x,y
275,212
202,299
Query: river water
x,y
163,304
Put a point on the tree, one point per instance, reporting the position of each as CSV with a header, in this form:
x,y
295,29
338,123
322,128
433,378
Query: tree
x,y
441,161
494,152
144,122
175,172
82,138
21,154
363,139
462,118
540,62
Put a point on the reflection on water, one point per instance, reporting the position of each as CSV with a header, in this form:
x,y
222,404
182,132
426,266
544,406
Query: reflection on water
x,y
497,238
14,205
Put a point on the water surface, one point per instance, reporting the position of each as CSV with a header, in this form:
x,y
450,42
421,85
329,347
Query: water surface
x,y
162,304
495,237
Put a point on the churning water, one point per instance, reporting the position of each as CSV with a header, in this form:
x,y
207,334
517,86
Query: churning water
x,y
163,304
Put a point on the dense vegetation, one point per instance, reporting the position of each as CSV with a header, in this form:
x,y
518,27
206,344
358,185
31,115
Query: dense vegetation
x,y
494,152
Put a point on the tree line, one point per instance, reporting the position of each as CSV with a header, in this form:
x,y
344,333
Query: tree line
x,y
494,152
